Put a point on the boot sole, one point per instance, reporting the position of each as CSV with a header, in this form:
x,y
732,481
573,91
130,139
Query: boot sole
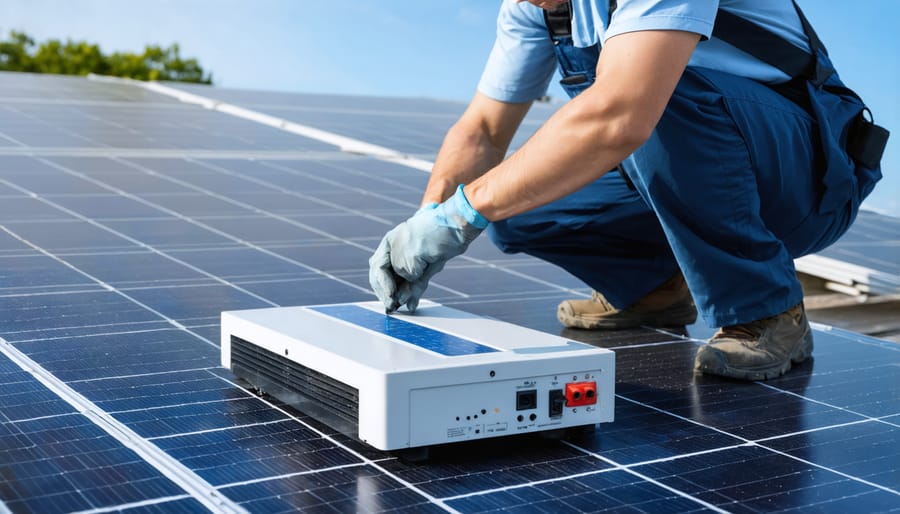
x,y
803,352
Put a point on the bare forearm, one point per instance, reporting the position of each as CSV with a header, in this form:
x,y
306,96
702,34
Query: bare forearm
x,y
475,144
572,149
636,75
465,155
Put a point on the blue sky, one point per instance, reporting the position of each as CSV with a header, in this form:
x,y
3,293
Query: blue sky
x,y
414,48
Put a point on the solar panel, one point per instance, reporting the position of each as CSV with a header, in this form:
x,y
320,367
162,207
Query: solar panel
x,y
410,126
866,260
119,247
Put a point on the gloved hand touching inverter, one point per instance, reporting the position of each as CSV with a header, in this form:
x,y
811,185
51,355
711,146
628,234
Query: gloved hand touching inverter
x,y
413,251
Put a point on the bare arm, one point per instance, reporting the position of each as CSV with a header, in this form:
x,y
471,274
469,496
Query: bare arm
x,y
636,75
475,144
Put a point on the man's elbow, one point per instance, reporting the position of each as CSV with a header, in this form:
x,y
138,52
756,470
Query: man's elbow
x,y
619,126
475,138
628,133
624,132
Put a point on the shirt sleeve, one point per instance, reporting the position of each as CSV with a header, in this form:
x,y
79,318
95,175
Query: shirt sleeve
x,y
697,16
522,61
591,23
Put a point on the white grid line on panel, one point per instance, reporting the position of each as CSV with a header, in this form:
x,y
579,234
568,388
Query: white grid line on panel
x,y
192,221
6,347
170,467
290,475
345,144
437,501
79,336
203,402
614,467
826,404
214,430
56,128
174,153
124,506
266,213
137,375
13,140
757,443
125,237
106,286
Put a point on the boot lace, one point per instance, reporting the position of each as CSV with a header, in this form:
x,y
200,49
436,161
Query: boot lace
x,y
754,329
749,331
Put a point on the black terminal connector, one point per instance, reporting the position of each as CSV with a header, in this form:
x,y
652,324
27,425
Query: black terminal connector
x,y
557,402
526,399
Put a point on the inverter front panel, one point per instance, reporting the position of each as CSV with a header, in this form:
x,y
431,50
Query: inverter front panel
x,y
505,407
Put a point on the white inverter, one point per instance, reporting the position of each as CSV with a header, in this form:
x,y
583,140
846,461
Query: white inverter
x,y
415,380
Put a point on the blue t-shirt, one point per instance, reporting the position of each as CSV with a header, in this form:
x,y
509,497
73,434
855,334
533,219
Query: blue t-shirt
x,y
522,61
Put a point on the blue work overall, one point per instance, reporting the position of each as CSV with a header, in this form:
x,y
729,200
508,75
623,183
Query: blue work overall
x,y
726,189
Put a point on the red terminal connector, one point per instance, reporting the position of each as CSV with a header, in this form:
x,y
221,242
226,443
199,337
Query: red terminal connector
x,y
581,393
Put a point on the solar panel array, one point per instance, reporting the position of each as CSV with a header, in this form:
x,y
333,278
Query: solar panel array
x,y
129,221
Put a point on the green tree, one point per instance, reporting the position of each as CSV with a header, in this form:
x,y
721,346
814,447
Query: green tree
x,y
157,63
81,58
71,58
14,54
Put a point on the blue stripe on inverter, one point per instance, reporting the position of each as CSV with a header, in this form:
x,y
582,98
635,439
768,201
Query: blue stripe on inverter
x,y
391,326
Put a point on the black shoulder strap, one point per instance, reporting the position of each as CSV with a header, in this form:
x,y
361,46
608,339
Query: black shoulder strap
x,y
559,21
866,141
771,48
739,32
735,30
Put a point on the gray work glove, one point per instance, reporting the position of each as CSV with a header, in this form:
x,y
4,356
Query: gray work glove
x,y
413,251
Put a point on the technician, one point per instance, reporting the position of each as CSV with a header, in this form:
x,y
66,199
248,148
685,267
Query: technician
x,y
724,176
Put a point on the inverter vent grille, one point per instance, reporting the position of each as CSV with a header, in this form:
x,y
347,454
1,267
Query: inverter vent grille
x,y
286,379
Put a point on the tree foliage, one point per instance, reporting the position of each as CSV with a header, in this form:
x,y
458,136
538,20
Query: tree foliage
x,y
19,53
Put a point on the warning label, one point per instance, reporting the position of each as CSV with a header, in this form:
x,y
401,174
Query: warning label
x,y
456,432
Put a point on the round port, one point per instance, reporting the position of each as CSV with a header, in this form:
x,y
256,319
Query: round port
x,y
519,418
533,416
576,395
483,411
589,393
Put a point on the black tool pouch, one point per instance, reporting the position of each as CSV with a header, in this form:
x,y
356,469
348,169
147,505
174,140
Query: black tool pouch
x,y
866,141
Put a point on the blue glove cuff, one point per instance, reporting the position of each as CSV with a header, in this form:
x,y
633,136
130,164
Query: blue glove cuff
x,y
462,205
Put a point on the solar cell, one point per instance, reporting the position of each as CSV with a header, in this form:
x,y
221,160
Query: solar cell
x,y
119,247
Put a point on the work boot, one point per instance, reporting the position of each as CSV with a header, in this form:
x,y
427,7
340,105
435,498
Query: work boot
x,y
758,350
668,305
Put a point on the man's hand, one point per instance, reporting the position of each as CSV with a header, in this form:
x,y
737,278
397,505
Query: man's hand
x,y
411,253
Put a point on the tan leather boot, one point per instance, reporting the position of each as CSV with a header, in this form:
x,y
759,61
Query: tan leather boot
x,y
758,350
668,305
